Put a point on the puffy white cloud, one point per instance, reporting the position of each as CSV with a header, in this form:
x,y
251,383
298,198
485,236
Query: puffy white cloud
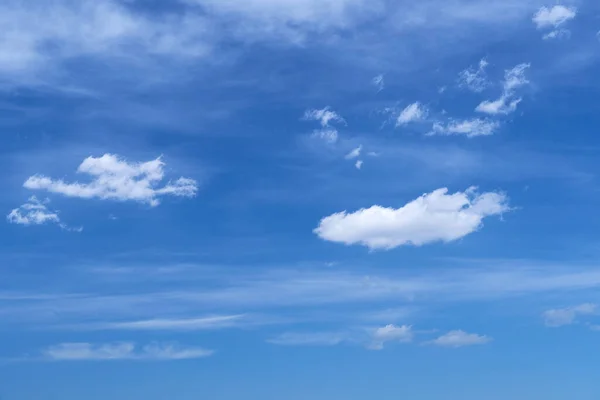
x,y
460,338
566,316
514,78
433,217
323,116
391,333
121,351
114,178
553,17
413,112
358,164
468,127
355,153
474,79
34,212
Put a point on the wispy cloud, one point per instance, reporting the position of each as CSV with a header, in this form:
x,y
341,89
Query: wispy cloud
x,y
325,117
35,212
554,18
355,153
412,113
310,339
475,79
435,216
358,164
508,102
114,178
391,333
460,338
469,127
180,324
122,351
567,316
379,82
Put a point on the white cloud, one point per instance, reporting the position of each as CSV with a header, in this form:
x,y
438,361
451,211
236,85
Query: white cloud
x,y
329,135
358,164
183,324
121,351
114,178
553,17
355,153
433,217
391,333
412,113
324,116
514,78
460,338
34,212
474,79
566,316
557,34
469,127
379,82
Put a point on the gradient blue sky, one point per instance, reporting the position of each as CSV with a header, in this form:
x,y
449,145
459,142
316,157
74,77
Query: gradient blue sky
x,y
299,199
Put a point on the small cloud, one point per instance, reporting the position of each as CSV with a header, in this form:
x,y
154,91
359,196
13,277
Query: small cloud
x,y
474,79
469,127
558,34
433,217
412,113
113,178
378,82
324,116
391,333
442,89
553,17
567,316
358,164
354,153
329,135
460,338
35,212
181,324
507,103
121,351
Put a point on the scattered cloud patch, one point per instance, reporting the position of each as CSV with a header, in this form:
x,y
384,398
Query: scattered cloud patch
x,y
412,113
324,116
182,324
329,135
35,212
460,338
468,127
391,333
566,316
358,164
122,351
554,18
474,79
114,178
433,217
355,153
379,82
507,103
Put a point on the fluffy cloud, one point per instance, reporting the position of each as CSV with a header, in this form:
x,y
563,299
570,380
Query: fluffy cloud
x,y
474,79
553,17
433,217
507,103
460,339
566,316
469,127
391,333
114,178
34,212
122,351
324,116
412,113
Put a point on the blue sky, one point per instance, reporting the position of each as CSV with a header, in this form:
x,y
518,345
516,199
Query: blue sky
x,y
299,199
